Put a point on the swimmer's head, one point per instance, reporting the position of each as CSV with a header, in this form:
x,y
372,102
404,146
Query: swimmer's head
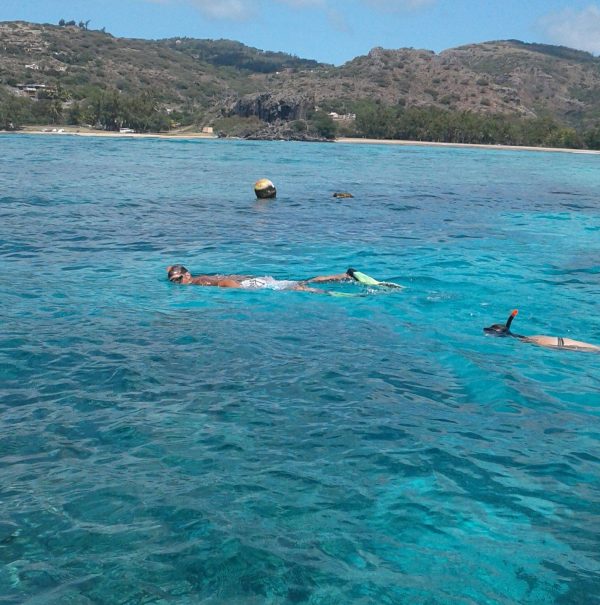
x,y
497,330
178,274
502,329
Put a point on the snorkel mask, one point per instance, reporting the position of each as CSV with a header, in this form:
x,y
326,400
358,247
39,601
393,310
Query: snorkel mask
x,y
176,273
502,330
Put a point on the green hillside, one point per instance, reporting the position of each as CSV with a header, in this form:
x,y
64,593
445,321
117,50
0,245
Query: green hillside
x,y
502,91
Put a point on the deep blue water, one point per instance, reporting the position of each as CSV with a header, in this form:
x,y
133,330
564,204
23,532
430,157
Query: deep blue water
x,y
183,445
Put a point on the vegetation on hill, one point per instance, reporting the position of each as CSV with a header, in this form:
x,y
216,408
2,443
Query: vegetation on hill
x,y
498,92
228,53
562,52
441,125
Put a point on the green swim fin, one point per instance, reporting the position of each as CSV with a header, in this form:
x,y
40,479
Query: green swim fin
x,y
363,278
367,280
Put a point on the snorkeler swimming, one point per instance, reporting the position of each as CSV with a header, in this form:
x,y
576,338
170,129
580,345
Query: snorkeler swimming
x,y
180,275
553,342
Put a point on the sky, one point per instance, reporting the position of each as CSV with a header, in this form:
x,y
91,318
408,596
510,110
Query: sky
x,y
330,31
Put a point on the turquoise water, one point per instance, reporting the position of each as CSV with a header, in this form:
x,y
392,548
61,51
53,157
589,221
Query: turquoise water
x,y
168,444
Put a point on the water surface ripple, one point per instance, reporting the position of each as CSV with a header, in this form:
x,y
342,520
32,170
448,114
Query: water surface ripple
x,y
162,444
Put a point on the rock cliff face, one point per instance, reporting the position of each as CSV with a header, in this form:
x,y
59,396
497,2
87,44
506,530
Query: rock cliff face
x,y
271,107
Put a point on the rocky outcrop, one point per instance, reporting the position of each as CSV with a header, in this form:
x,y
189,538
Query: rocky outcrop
x,y
282,131
271,107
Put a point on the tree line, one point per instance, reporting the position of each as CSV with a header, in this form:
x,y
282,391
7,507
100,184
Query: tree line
x,y
72,23
103,109
375,120
112,110
85,25
228,53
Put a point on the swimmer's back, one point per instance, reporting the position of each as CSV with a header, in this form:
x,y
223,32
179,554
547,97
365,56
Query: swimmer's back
x,y
561,343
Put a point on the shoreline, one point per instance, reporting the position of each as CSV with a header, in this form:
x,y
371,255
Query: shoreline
x,y
356,140
88,132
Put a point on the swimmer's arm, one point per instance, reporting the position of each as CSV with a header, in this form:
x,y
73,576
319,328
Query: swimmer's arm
x,y
326,278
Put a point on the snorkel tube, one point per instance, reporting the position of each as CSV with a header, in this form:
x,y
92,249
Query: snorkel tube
x,y
503,330
514,313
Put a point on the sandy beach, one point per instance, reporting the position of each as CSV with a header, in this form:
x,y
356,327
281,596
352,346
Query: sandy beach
x,y
90,132
467,145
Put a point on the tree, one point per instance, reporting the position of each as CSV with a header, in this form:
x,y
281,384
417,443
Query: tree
x,y
377,120
112,110
565,137
592,138
448,126
75,115
14,112
61,23
323,125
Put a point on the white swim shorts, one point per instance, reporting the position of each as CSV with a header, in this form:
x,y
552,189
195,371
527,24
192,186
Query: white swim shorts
x,y
268,282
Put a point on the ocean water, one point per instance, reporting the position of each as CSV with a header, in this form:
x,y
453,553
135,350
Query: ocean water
x,y
181,445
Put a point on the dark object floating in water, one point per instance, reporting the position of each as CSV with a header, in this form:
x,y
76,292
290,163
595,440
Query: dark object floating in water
x,y
264,189
342,194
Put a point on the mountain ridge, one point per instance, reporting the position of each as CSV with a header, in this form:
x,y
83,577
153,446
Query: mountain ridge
x,y
204,82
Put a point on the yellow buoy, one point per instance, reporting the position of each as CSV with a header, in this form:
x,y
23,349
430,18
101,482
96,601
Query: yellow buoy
x,y
264,189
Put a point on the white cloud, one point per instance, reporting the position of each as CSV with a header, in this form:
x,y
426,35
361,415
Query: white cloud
x,y
218,9
338,21
302,3
576,29
237,9
244,9
399,5
224,9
